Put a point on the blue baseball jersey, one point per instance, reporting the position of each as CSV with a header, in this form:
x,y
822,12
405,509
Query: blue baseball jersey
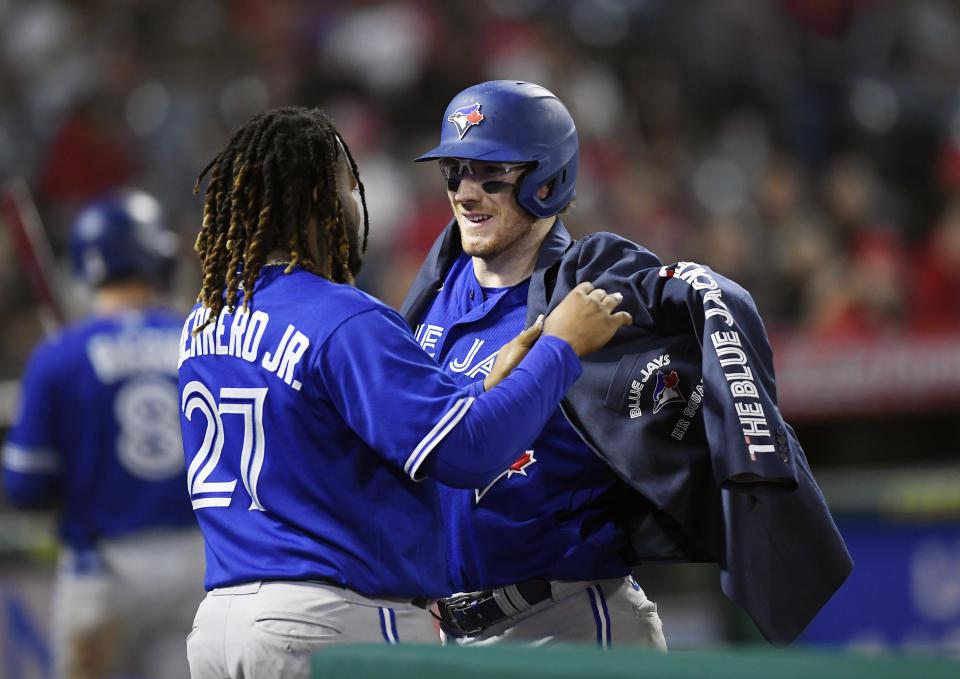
x,y
97,432
552,512
306,421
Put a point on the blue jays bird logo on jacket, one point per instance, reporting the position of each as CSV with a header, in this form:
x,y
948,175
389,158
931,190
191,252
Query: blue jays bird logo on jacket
x,y
667,391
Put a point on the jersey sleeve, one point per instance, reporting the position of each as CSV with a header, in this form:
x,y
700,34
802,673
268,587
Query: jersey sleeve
x,y
32,466
402,404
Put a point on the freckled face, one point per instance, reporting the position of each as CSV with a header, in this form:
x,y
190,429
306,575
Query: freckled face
x,y
490,223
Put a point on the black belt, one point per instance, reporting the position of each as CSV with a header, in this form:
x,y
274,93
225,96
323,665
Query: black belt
x,y
466,614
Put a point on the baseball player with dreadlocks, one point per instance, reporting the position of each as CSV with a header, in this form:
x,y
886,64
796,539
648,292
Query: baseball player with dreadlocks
x,y
308,412
97,438
630,467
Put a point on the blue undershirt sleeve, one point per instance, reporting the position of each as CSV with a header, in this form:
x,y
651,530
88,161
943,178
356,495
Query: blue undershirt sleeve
x,y
474,389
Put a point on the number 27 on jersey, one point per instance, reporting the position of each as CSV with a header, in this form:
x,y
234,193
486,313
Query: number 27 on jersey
x,y
244,402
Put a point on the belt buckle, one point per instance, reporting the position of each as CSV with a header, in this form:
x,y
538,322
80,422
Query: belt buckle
x,y
462,612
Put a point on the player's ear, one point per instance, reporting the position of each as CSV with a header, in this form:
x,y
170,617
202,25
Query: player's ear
x,y
544,192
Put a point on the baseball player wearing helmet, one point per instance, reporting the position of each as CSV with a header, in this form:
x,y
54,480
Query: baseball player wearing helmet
x,y
97,437
630,467
539,546
309,412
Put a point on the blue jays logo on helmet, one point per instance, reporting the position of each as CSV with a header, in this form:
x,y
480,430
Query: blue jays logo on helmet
x,y
667,390
466,117
521,123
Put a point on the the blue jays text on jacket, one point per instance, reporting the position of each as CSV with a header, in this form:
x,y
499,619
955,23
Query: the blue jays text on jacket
x,y
720,476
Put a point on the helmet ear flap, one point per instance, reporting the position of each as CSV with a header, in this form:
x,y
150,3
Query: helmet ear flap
x,y
562,183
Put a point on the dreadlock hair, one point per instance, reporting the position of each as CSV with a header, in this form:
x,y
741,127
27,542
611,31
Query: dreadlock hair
x,y
276,173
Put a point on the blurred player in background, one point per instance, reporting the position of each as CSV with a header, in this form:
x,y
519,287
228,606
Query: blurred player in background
x,y
97,438
630,468
309,410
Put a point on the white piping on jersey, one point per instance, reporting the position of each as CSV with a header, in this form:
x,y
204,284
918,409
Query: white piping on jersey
x,y
436,435
30,460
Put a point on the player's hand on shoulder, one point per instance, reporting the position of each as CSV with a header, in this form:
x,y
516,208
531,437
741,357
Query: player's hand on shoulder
x,y
586,318
512,353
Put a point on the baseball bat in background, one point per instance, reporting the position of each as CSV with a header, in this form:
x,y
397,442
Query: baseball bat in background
x,y
32,250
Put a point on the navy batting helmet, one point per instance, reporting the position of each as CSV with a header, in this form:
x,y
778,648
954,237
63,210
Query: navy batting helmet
x,y
120,236
515,122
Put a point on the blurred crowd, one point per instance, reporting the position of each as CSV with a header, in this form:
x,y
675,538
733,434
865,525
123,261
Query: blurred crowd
x,y
809,149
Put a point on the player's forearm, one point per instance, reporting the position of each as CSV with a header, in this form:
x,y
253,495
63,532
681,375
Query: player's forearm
x,y
506,419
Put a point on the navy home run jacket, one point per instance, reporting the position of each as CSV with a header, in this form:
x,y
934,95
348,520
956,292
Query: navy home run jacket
x,y
682,405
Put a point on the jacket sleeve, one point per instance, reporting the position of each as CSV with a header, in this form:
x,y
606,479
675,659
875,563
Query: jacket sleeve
x,y
721,475
748,440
